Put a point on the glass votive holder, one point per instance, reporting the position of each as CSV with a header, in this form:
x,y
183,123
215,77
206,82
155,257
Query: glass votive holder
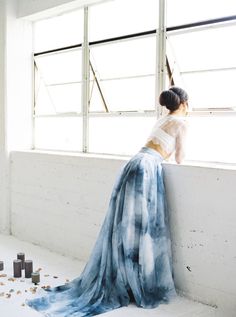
x,y
35,277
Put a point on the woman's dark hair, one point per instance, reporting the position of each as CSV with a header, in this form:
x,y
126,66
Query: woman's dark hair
x,y
172,98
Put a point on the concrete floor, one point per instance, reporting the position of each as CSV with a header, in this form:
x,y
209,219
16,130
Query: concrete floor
x,y
55,270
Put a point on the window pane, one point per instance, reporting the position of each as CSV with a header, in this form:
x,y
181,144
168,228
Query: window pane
x,y
60,67
123,135
212,139
58,133
59,99
133,57
122,62
186,11
194,55
135,94
122,17
211,89
59,31
206,49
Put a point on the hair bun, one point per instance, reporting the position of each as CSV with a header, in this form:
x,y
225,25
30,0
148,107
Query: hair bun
x,y
170,100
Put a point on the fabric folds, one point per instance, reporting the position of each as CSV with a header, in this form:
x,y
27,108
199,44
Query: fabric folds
x,y
131,259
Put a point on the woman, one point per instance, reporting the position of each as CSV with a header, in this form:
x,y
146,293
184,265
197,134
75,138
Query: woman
x,y
131,260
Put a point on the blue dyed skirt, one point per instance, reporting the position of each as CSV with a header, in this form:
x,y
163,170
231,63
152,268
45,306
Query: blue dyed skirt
x,y
131,259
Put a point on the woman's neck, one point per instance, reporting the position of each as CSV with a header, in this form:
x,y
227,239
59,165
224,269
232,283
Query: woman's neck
x,y
178,113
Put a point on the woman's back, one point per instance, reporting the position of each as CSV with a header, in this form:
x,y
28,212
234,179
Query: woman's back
x,y
168,135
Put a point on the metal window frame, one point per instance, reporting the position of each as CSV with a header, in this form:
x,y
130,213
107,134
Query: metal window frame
x,y
85,84
85,114
161,69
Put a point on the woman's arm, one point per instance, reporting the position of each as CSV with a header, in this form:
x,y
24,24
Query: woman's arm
x,y
181,143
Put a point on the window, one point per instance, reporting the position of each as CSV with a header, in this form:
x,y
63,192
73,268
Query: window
x,y
121,85
95,86
58,82
201,55
126,73
59,31
206,63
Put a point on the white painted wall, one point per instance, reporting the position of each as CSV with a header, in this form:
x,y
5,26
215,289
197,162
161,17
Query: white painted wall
x,y
4,198
60,201
15,96
202,209
19,80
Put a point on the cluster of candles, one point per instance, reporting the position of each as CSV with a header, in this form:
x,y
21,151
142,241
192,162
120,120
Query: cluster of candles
x,y
21,264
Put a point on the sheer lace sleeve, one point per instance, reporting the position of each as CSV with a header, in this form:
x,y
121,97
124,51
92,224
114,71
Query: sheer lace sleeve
x,y
181,142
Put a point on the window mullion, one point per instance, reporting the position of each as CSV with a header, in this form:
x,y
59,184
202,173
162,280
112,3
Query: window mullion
x,y
85,82
161,54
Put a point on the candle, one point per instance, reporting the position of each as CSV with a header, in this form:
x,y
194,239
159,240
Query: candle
x,y
35,277
21,256
28,268
1,265
17,268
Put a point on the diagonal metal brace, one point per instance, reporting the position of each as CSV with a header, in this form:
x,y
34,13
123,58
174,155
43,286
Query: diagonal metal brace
x,y
99,87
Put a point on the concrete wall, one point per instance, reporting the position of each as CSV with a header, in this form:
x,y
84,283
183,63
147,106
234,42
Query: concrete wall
x,y
60,201
202,209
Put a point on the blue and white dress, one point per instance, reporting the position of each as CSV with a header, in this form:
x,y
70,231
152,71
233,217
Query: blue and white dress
x,y
131,259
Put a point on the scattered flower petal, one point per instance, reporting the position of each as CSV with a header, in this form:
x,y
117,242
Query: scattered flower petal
x,y
33,290
39,269
11,279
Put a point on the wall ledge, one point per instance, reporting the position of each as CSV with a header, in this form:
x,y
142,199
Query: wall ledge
x,y
200,164
76,154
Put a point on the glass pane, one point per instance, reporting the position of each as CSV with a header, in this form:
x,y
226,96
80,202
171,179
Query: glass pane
x,y
123,135
60,67
186,11
206,49
134,94
58,133
43,101
212,139
59,31
133,57
211,89
122,17
58,99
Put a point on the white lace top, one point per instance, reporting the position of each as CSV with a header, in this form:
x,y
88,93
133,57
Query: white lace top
x,y
170,133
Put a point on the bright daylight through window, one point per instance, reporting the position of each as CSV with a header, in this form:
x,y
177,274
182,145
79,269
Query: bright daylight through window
x,y
108,105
